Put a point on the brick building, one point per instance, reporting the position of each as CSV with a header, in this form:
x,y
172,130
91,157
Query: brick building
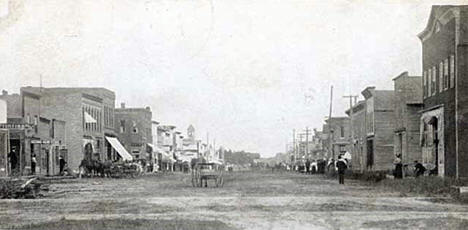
x,y
89,117
408,104
33,133
358,140
445,90
379,131
134,126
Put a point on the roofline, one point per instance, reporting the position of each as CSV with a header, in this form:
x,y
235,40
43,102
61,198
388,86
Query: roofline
x,y
431,21
403,74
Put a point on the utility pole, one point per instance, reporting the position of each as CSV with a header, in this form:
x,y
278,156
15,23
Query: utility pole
x,y
329,123
307,141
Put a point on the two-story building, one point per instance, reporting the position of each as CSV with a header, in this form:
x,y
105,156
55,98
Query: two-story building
x,y
445,90
33,133
89,117
134,126
337,136
408,104
379,120
358,139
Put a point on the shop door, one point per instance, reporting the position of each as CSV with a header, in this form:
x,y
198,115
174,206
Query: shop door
x,y
3,153
15,158
47,161
88,152
370,153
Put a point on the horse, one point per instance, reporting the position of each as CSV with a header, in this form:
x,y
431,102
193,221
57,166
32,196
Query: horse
x,y
106,168
92,167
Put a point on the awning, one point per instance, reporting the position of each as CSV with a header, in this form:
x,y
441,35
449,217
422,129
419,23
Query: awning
x,y
119,148
88,118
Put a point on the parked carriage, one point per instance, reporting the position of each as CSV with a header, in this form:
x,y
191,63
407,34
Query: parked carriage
x,y
202,172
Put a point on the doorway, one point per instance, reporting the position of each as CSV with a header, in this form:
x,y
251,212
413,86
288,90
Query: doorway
x,y
435,134
15,156
88,152
370,153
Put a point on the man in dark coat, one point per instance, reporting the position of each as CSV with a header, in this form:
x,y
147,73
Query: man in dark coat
x,y
342,165
307,165
62,163
13,160
419,169
33,164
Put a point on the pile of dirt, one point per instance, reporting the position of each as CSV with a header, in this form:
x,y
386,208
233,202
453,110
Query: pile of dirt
x,y
22,188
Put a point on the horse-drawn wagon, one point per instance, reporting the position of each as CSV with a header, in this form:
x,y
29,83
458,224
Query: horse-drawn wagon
x,y
202,172
125,170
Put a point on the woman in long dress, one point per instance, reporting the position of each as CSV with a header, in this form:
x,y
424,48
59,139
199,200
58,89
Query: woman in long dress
x,y
398,167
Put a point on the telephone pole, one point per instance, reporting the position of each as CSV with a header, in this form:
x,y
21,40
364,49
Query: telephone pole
x,y
307,141
329,124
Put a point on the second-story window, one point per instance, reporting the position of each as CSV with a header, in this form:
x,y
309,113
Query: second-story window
x,y
446,74
452,71
122,126
434,83
441,77
134,127
425,84
429,82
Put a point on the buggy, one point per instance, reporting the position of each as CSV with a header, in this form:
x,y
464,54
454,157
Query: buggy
x,y
202,172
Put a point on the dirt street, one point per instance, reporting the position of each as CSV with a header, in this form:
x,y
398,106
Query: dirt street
x,y
248,200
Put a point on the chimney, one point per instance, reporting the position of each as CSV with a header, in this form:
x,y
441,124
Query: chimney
x,y
4,92
122,105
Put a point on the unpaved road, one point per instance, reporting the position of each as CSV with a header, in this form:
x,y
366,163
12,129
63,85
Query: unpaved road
x,y
249,200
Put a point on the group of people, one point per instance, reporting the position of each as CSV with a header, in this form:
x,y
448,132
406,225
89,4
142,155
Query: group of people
x,y
321,166
62,165
419,168
14,163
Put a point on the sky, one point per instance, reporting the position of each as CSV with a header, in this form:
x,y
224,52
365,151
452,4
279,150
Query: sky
x,y
245,73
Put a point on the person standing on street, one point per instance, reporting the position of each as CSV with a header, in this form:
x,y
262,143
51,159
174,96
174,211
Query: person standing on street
x,y
13,161
62,163
307,166
419,169
342,165
398,173
33,164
